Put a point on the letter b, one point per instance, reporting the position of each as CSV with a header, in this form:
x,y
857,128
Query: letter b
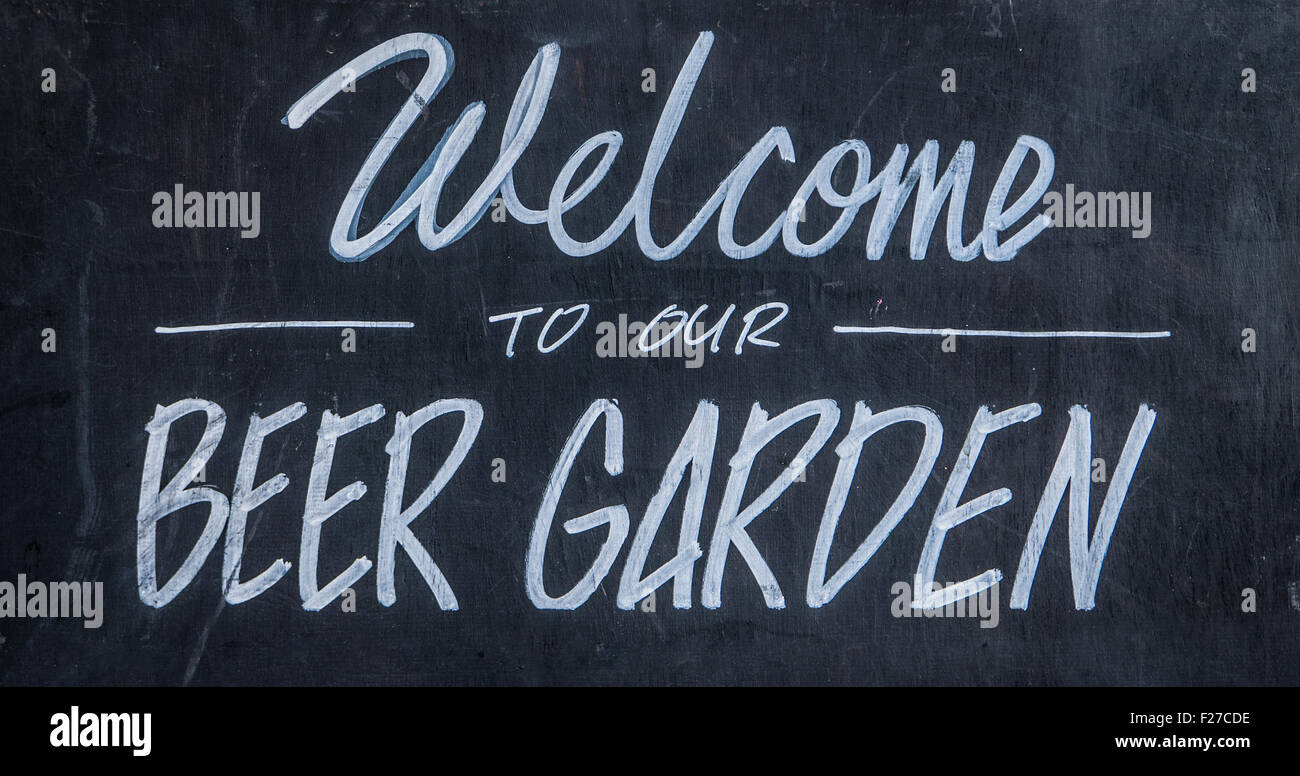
x,y
156,501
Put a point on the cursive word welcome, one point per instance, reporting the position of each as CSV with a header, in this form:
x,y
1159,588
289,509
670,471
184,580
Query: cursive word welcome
x,y
890,187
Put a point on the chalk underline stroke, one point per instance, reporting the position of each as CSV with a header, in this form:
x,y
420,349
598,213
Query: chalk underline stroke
x,y
1003,333
285,325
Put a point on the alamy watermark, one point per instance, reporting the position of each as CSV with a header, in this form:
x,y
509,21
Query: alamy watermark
x,y
78,728
1123,209
633,339
195,209
982,605
84,600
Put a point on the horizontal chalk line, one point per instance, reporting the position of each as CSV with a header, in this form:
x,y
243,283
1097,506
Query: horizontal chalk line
x,y
1003,333
285,325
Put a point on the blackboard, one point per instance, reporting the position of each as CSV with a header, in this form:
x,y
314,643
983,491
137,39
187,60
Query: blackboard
x,y
1150,360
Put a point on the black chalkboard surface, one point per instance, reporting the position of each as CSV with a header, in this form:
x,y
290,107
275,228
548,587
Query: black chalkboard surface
x,y
334,343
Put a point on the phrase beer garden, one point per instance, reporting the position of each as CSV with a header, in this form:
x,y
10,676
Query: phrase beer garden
x,y
228,511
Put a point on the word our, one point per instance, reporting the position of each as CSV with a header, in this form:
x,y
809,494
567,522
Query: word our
x,y
694,454
218,209
890,187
